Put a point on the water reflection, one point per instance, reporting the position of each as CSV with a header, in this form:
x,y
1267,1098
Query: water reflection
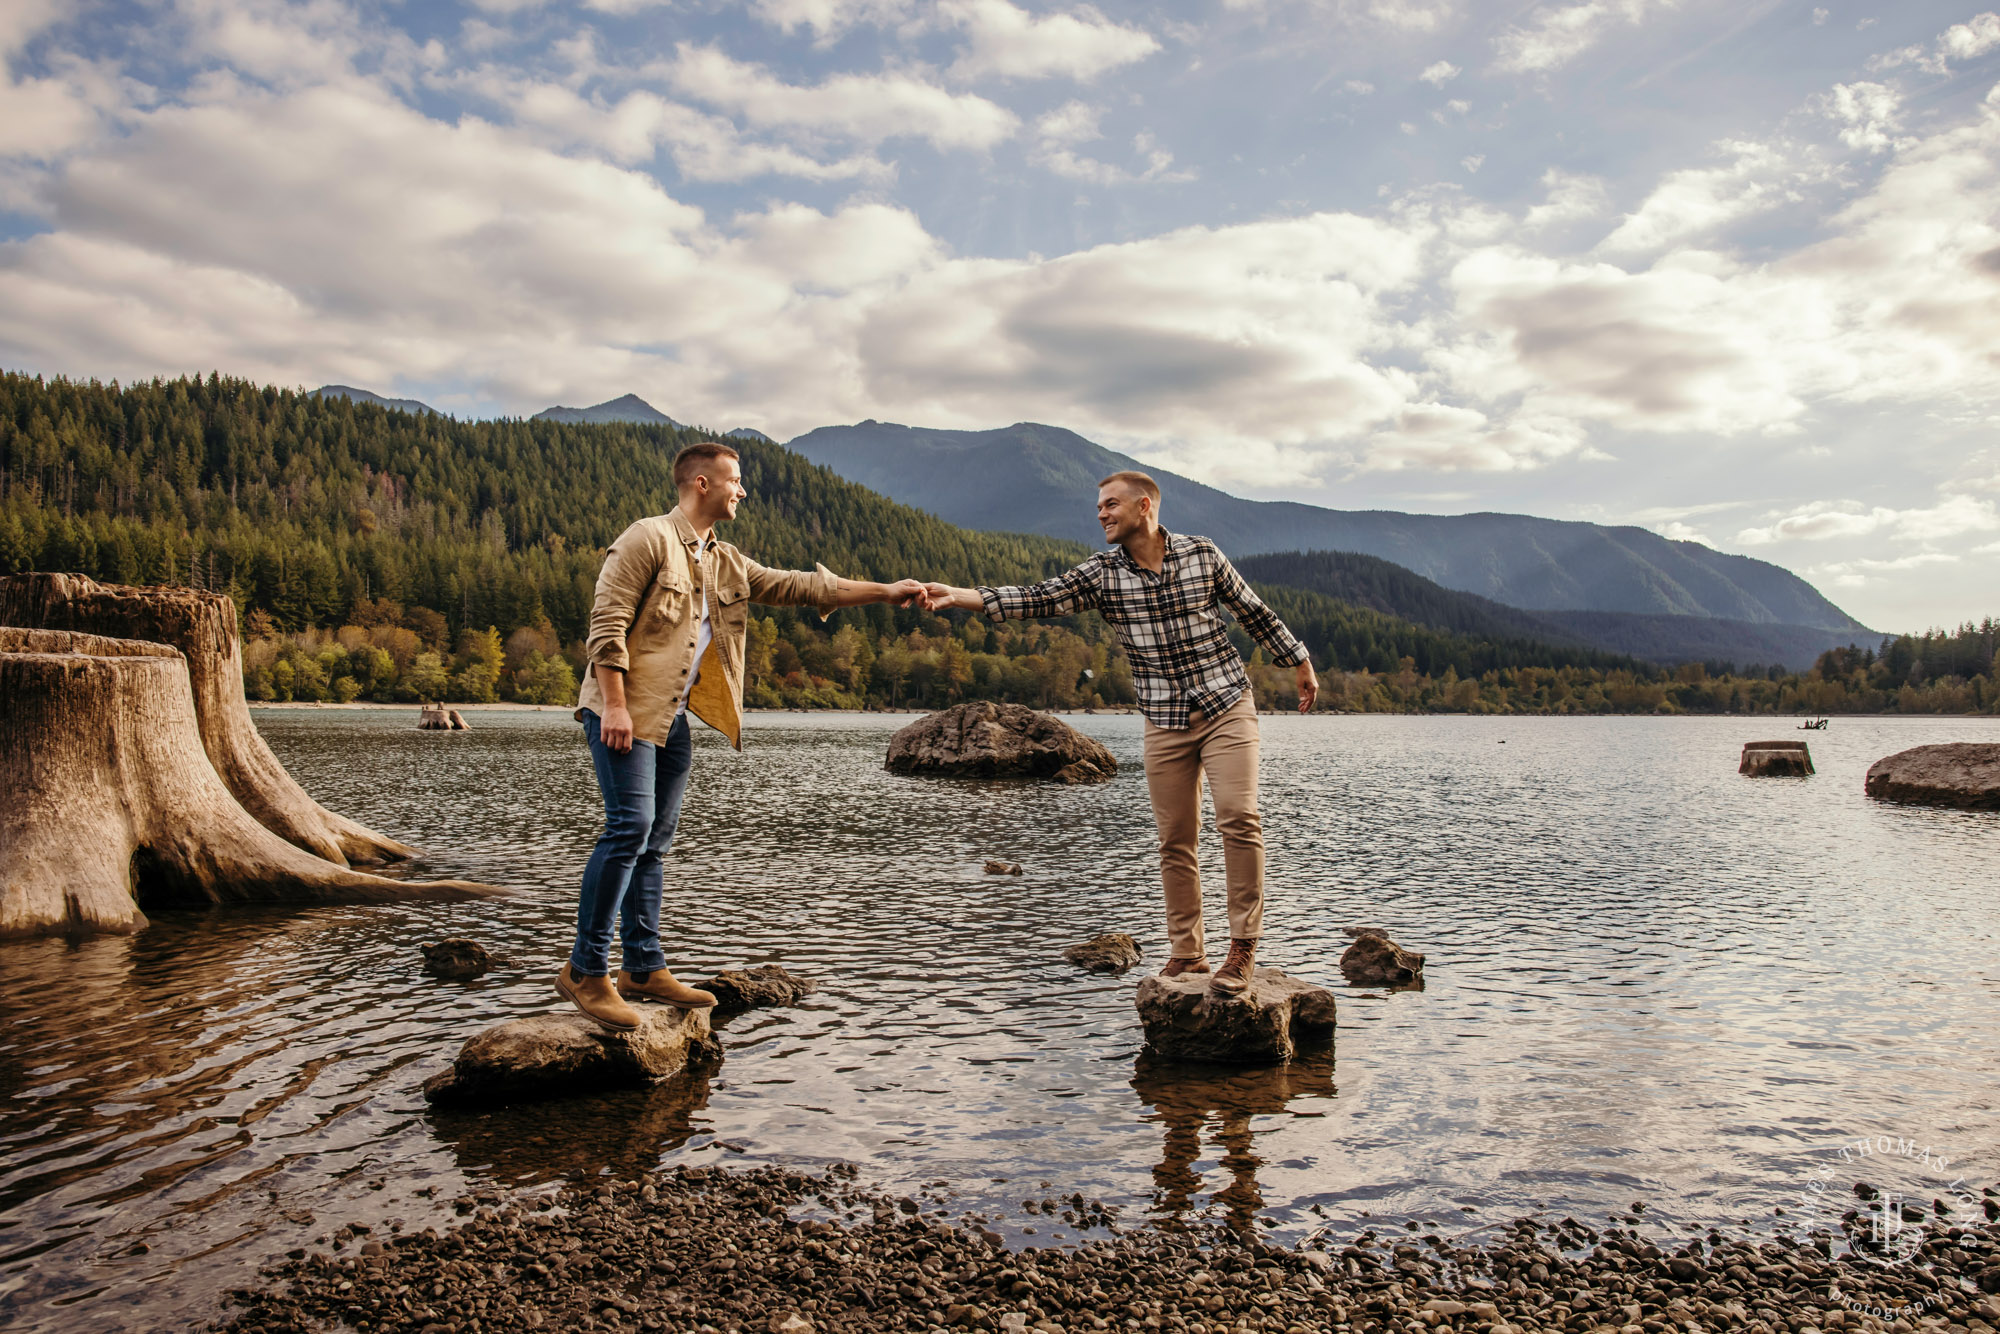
x,y
620,1134
1216,1105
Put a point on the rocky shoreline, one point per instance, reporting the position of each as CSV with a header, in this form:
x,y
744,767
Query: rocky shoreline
x,y
700,1250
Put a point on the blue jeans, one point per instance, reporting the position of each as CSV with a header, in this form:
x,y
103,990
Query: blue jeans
x,y
622,882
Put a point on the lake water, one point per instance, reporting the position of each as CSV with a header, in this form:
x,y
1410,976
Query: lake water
x,y
1649,978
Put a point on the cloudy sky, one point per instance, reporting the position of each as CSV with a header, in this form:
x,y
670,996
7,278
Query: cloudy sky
x,y
1728,269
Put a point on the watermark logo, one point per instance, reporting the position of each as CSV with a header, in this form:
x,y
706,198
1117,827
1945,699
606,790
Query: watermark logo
x,y
1910,1179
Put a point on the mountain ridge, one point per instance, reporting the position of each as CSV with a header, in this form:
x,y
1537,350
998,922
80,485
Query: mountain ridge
x,y
1040,479
624,408
349,392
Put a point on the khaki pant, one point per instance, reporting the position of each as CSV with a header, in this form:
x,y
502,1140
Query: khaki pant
x,y
1225,749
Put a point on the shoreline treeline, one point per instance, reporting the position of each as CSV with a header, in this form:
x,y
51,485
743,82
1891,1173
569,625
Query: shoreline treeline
x,y
390,556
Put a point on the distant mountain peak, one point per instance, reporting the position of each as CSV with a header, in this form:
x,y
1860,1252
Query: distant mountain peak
x,y
750,433
353,395
625,408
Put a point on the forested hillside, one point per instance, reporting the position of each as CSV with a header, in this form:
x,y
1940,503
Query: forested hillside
x,y
388,555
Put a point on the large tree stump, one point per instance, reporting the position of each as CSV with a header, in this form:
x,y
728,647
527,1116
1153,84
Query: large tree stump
x,y
203,627
113,807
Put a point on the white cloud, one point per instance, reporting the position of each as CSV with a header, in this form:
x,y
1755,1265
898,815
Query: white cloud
x,y
1863,571
1866,112
1009,43
1960,42
864,108
1359,87
1554,35
1473,162
1059,132
828,19
636,127
1820,16
1571,198
1439,74
1951,517
1698,200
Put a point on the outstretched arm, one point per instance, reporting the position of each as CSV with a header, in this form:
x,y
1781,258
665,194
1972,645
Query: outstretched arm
x,y
1262,624
1073,590
859,592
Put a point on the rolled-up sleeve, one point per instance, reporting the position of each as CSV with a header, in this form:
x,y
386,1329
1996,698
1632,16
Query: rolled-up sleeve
x,y
1074,590
818,588
629,567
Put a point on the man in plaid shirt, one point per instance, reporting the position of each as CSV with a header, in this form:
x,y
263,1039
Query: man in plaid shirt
x,y
1160,591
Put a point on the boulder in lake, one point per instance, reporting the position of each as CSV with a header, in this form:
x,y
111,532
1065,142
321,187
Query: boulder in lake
x,y
1112,952
989,740
562,1054
1265,1026
1374,960
457,960
1960,774
1776,759
767,985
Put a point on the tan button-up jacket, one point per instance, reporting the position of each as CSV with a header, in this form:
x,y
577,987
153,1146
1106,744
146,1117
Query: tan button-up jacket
x,y
648,611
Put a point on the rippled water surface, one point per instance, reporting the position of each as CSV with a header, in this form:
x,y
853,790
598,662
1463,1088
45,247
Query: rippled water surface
x,y
1649,978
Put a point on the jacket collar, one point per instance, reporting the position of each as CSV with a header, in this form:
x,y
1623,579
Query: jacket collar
x,y
683,527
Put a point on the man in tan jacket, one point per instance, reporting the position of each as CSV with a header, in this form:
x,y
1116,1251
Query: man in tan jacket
x,y
666,640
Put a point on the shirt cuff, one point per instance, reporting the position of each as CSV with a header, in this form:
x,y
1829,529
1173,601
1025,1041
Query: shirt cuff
x,y
989,599
611,653
1291,657
826,591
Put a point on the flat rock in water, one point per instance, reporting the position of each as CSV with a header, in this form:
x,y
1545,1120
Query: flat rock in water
x,y
1961,774
457,960
988,740
1374,960
561,1054
1263,1027
1002,868
1776,759
738,989
1112,952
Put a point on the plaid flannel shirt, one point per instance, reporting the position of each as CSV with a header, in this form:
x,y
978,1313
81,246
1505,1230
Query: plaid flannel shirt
x,y
1181,656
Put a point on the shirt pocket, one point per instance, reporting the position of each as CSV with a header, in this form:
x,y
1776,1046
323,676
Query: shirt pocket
x,y
671,597
732,599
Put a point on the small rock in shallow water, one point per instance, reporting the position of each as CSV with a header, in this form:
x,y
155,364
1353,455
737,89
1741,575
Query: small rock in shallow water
x,y
1112,952
556,1055
1002,868
767,985
1374,960
456,960
1184,1022
989,740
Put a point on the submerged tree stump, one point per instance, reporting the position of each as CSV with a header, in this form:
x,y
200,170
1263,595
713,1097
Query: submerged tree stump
x,y
1783,759
203,627
112,805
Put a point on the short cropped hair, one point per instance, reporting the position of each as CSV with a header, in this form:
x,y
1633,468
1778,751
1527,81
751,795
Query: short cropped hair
x,y
1145,485
695,458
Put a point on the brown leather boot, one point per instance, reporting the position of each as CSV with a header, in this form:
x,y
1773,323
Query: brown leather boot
x,y
661,986
1233,978
1175,967
595,997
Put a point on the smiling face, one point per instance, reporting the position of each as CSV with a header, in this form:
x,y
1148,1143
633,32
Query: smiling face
x,y
1124,511
715,491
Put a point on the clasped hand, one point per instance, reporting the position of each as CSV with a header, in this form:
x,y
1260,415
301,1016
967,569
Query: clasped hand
x,y
931,597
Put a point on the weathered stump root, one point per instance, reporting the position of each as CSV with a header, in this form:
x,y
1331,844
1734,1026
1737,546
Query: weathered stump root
x,y
203,627
112,805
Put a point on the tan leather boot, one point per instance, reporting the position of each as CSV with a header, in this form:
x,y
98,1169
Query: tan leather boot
x,y
1233,978
662,987
1176,967
595,997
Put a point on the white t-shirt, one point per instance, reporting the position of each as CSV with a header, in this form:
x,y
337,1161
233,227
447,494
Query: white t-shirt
x,y
704,633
